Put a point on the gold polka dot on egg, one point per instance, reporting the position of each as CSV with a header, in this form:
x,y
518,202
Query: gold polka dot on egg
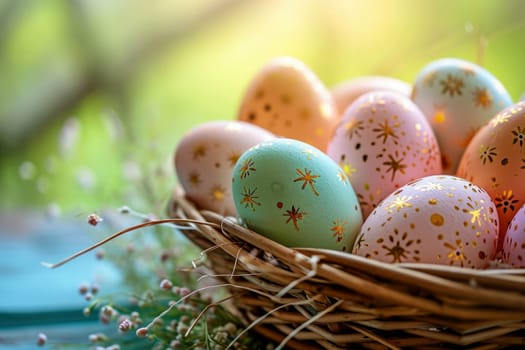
x,y
439,219
288,99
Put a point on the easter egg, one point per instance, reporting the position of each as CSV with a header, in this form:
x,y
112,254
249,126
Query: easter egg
x,y
457,97
513,251
294,194
383,142
439,219
495,161
205,157
289,100
348,91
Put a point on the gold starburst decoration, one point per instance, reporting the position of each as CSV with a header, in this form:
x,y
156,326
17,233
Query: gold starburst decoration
x,y
294,215
487,153
247,167
199,151
308,179
384,130
395,165
482,98
338,229
456,253
249,198
452,85
353,127
400,202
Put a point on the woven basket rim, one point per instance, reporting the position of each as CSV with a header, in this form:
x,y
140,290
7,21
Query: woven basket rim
x,y
446,304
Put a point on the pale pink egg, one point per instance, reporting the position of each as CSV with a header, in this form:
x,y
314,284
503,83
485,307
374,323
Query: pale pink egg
x,y
289,100
205,157
513,251
495,161
348,91
383,142
438,219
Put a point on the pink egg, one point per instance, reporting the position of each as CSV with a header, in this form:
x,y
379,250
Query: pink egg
x,y
383,142
438,219
495,161
205,157
348,91
289,100
513,252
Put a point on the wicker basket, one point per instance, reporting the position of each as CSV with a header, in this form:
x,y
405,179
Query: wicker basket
x,y
322,299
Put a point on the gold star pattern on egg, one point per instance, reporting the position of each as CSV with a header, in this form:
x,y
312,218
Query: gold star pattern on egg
x,y
247,167
338,229
308,179
249,198
199,151
482,98
294,215
452,86
394,165
384,130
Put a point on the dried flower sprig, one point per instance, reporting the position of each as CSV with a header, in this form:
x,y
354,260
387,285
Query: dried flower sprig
x,y
181,314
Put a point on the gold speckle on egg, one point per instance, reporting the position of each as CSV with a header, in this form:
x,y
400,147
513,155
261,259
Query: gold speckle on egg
x,y
342,177
199,151
432,201
310,153
285,99
233,158
437,219
468,71
194,179
348,169
218,193
429,78
440,236
482,98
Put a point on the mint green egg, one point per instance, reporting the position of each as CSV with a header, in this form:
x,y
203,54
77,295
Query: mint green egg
x,y
294,194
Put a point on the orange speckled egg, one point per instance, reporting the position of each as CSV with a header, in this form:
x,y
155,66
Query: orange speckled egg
x,y
289,100
495,161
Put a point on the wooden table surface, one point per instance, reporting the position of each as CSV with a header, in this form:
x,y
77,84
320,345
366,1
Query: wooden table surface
x,y
35,299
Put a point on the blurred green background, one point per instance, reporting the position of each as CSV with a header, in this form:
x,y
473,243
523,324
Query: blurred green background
x,y
95,94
